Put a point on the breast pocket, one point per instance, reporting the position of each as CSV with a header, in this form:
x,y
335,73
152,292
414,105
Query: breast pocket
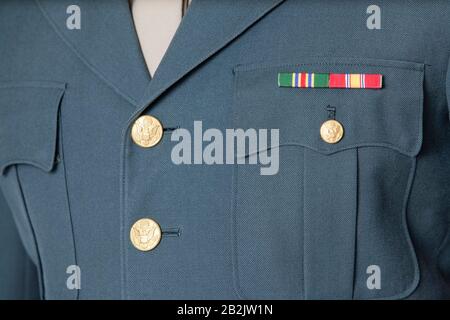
x,y
333,222
32,178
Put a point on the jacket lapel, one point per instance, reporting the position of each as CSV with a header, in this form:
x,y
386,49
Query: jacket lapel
x,y
107,42
207,27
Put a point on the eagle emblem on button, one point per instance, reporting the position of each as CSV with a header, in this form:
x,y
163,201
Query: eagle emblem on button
x,y
145,234
147,131
331,131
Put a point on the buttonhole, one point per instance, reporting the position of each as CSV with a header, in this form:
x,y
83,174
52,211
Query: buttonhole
x,y
57,158
331,112
170,129
172,232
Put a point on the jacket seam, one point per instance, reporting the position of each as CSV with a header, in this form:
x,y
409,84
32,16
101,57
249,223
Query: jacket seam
x,y
61,145
33,232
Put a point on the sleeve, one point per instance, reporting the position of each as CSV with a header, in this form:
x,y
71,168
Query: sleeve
x,y
18,275
447,85
444,250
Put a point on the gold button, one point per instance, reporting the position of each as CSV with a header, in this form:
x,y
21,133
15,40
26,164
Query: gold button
x,y
332,131
147,131
145,234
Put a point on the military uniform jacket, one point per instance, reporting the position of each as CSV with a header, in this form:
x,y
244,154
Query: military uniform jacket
x,y
365,217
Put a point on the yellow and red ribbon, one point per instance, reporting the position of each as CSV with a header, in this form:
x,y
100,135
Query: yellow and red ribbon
x,y
330,80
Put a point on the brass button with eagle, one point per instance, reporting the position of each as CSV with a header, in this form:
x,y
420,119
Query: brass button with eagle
x,y
147,131
145,234
332,131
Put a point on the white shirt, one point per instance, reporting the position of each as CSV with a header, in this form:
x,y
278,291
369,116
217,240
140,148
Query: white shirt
x,y
156,22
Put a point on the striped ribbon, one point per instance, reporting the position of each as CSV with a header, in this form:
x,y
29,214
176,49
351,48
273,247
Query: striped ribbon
x,y
330,80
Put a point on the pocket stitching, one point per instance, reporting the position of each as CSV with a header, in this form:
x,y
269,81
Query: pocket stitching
x,y
418,67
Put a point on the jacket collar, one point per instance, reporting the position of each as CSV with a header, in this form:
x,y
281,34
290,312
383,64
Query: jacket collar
x,y
207,28
107,42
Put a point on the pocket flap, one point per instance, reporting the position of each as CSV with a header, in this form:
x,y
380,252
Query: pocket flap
x,y
29,123
389,117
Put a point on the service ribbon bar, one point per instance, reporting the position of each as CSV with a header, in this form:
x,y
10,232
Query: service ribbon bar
x,y
330,80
